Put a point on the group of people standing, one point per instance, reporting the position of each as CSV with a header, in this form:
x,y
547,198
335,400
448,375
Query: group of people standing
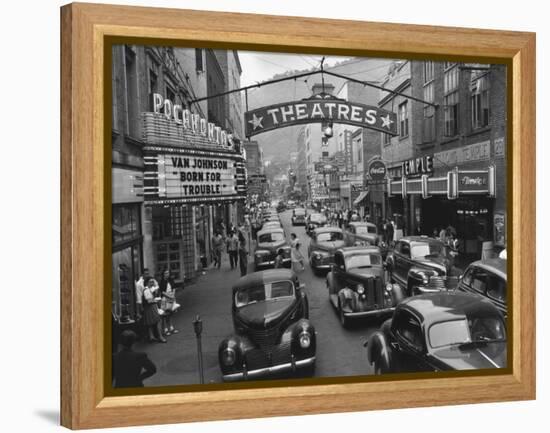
x,y
156,303
236,245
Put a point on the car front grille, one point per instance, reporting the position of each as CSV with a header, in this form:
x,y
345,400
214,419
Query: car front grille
x,y
261,357
266,339
374,291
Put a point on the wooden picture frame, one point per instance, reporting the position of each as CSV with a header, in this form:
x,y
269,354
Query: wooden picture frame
x,y
84,227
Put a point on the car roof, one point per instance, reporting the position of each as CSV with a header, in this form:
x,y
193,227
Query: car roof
x,y
270,230
361,223
350,251
496,266
420,239
446,305
327,229
256,279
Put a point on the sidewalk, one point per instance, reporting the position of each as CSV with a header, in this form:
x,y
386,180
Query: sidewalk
x,y
209,297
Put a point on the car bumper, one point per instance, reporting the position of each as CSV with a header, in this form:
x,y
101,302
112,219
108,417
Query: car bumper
x,y
267,371
271,263
370,313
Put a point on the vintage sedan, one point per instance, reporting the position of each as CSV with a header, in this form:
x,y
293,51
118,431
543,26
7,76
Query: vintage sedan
x,y
299,216
438,332
315,220
487,278
324,243
421,265
269,241
272,332
361,233
273,224
357,287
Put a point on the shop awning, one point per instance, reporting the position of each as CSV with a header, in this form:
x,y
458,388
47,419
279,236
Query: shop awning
x,y
360,198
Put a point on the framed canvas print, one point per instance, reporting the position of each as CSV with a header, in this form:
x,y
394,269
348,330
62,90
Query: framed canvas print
x,y
268,216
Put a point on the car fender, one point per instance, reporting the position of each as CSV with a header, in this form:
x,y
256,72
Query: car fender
x,y
303,325
305,306
397,293
418,276
332,283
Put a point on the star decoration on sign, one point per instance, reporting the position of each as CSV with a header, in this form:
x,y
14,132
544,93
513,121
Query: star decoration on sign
x,y
386,121
256,122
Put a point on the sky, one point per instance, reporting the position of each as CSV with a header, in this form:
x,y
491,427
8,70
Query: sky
x,y
259,66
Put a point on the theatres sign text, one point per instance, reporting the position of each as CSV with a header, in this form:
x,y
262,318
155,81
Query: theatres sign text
x,y
318,111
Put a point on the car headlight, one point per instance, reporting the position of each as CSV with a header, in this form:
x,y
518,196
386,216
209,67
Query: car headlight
x,y
360,289
305,340
229,356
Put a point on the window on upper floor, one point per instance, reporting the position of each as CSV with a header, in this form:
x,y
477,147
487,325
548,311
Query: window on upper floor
x,y
131,97
428,74
451,99
480,102
199,60
404,119
386,139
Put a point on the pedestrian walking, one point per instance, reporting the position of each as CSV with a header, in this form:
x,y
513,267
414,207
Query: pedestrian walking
x,y
279,258
151,316
233,249
243,253
295,253
130,368
391,230
168,303
217,248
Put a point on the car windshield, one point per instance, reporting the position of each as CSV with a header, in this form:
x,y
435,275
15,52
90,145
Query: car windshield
x,y
330,237
358,261
269,291
466,331
270,237
363,230
424,249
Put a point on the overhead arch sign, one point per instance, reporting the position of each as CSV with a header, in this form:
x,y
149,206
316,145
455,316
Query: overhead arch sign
x,y
317,111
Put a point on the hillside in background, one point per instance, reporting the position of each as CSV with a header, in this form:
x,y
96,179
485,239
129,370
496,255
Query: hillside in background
x,y
278,144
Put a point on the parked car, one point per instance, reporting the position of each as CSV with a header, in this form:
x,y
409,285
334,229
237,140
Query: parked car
x,y
357,287
271,224
421,265
437,332
269,241
324,243
281,207
313,221
272,332
487,278
299,216
361,233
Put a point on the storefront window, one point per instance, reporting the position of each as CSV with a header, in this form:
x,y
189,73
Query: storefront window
x,y
125,272
126,223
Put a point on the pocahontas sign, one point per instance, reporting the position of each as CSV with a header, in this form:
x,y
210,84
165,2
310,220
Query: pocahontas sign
x,y
318,111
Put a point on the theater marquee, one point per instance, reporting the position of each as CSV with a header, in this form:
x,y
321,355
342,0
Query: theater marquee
x,y
317,110
189,176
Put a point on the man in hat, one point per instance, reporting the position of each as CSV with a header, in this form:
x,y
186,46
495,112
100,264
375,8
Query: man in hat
x,y
131,368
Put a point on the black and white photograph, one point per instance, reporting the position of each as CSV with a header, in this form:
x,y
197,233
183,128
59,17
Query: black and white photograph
x,y
283,215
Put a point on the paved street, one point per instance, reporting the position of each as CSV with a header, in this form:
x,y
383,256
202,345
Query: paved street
x,y
340,352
